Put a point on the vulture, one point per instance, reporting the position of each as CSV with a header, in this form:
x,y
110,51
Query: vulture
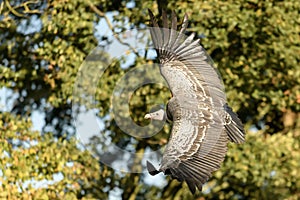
x,y
202,121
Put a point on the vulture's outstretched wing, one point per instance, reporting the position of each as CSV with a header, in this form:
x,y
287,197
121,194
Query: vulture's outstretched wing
x,y
202,121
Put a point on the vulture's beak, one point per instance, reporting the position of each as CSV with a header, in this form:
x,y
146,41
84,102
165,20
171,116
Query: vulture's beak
x,y
157,115
147,116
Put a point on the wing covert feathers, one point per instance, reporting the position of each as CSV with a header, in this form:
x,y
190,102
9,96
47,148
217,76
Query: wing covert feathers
x,y
175,47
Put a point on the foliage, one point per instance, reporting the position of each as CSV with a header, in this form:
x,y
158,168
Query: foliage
x,y
254,44
44,167
260,166
43,48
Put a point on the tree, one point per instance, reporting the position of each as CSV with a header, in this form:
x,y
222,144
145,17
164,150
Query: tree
x,y
36,166
255,45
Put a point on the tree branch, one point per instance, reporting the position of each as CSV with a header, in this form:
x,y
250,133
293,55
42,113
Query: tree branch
x,y
102,14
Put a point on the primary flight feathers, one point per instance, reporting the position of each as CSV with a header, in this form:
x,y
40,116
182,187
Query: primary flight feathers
x,y
203,123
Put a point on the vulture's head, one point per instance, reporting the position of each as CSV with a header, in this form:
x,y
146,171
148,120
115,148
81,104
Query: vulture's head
x,y
157,115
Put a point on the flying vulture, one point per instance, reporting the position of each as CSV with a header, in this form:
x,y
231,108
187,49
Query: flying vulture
x,y
202,122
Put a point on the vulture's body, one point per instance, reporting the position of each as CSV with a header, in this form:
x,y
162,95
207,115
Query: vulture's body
x,y
203,123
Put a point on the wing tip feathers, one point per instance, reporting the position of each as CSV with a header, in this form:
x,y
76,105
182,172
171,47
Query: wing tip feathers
x,y
234,129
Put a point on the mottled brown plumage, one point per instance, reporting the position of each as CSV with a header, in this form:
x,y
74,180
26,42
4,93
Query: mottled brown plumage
x,y
203,123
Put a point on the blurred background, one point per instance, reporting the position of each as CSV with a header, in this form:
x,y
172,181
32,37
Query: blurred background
x,y
254,44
